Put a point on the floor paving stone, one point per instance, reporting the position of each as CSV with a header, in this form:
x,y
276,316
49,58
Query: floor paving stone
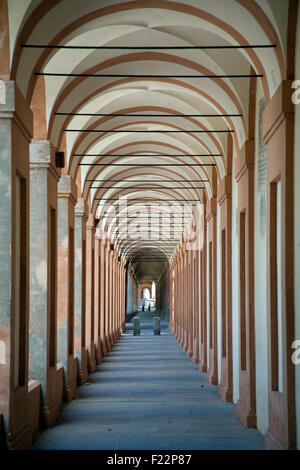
x,y
147,394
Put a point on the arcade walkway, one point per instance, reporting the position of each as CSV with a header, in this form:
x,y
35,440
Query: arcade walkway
x,y
147,394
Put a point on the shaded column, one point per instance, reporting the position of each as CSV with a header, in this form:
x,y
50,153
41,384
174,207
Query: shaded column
x,y
225,202
90,286
244,174
190,304
124,272
176,297
107,295
203,283
43,279
119,326
278,134
171,290
67,197
184,297
181,327
112,295
97,324
212,372
196,297
102,294
17,394
81,216
246,408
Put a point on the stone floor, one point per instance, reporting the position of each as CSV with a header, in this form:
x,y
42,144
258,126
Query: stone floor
x,y
147,394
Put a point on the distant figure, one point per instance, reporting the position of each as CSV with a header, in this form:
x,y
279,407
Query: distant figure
x,y
149,308
143,307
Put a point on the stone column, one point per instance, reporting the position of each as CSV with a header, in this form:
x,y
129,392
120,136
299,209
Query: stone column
x,y
43,278
123,297
175,326
203,300
190,304
67,197
196,317
176,297
224,200
181,283
102,293
185,299
15,390
113,295
107,295
97,326
89,300
81,216
244,174
212,372
278,134
119,298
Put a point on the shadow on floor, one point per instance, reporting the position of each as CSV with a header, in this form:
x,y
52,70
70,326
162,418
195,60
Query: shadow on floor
x,y
147,394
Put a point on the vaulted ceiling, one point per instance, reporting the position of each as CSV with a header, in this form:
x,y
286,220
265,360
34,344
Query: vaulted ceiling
x,y
159,96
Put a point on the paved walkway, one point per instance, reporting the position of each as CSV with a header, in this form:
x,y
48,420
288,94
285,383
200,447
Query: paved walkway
x,y
147,394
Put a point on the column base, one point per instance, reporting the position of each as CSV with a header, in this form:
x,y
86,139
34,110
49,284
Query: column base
x,y
108,342
69,392
51,409
195,358
103,347
98,352
111,340
92,365
245,415
22,440
272,442
70,385
225,392
202,367
212,377
49,413
82,376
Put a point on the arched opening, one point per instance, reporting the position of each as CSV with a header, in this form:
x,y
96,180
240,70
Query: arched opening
x,y
149,164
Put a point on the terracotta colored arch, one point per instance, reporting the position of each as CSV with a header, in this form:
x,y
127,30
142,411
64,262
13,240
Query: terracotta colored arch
x,y
45,7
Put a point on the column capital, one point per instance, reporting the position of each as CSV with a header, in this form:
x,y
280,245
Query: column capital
x,y
108,245
280,107
14,107
211,208
7,105
81,208
245,159
42,156
90,225
224,189
67,188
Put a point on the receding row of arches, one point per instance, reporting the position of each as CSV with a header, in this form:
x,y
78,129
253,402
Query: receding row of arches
x,y
149,142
